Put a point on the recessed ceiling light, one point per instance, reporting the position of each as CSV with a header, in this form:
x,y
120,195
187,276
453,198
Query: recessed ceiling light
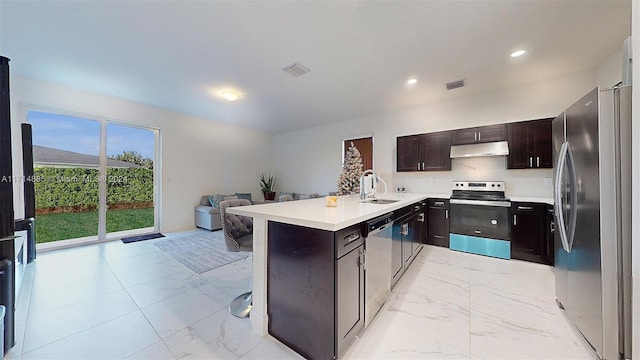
x,y
518,53
230,96
412,81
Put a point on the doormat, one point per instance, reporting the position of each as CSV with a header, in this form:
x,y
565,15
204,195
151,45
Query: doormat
x,y
131,239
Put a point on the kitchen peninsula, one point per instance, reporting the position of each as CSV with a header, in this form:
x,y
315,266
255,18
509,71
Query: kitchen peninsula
x,y
286,269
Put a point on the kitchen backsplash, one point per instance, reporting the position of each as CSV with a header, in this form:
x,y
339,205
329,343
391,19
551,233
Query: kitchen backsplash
x,y
523,183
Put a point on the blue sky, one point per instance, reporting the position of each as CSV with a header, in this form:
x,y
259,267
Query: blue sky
x,y
83,136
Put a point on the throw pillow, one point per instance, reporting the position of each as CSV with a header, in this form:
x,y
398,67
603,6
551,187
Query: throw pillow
x,y
229,197
244,196
215,200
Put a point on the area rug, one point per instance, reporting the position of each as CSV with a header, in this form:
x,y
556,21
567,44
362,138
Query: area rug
x,y
199,250
131,239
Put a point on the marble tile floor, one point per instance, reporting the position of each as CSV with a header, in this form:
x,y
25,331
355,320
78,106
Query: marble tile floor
x,y
133,301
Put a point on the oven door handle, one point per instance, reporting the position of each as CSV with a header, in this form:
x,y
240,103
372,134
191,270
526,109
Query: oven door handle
x,y
481,202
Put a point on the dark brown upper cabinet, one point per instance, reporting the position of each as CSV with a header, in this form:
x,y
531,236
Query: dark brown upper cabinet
x,y
424,152
408,153
481,134
530,144
437,147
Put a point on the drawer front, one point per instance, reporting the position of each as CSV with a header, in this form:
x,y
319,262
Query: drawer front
x,y
348,239
438,203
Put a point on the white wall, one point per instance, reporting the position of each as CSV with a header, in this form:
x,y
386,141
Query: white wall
x,y
310,160
609,73
198,156
635,231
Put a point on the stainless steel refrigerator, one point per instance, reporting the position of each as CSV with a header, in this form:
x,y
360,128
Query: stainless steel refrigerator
x,y
592,201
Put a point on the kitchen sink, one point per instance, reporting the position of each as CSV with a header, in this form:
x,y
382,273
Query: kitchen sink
x,y
380,201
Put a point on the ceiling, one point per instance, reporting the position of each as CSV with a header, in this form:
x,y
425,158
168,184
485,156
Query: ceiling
x,y
178,55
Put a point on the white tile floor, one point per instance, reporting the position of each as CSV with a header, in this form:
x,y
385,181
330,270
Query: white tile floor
x,y
133,301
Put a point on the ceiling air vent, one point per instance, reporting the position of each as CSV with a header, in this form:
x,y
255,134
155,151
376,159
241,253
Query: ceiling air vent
x,y
296,69
455,84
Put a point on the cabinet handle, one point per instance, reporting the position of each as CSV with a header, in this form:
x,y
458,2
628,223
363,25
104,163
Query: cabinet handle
x,y
477,232
352,237
475,136
439,203
418,166
362,259
421,218
530,161
552,227
479,136
524,208
537,161
446,214
515,220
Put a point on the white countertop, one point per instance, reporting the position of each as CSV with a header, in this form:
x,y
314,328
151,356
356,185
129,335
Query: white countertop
x,y
314,213
542,200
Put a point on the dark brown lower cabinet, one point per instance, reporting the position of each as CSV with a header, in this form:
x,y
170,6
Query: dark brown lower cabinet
x,y
407,235
529,240
315,288
438,222
550,229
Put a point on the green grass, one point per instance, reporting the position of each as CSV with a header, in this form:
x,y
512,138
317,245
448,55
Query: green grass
x,y
54,227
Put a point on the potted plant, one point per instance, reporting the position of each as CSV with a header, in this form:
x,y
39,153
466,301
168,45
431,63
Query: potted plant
x,y
267,185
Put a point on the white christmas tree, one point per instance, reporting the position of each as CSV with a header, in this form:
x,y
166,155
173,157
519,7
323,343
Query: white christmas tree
x,y
349,181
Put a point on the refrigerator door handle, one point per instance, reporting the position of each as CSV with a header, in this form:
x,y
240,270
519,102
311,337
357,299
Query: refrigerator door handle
x,y
573,198
557,196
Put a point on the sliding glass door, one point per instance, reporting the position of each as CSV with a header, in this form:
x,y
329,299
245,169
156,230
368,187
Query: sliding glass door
x,y
92,177
130,183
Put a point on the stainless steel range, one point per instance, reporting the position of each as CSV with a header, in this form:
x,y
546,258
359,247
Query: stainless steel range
x,y
479,222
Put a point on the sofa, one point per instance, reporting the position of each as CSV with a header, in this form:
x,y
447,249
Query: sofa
x,y
207,216
296,196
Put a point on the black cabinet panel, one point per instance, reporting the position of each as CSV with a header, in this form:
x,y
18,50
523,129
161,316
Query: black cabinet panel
x,y
397,259
530,144
519,148
407,236
528,235
437,150
315,288
492,133
424,152
300,290
438,222
464,136
408,153
349,298
481,134
549,251
542,148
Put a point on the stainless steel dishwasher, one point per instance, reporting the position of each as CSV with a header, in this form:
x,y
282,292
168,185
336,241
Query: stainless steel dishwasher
x,y
378,264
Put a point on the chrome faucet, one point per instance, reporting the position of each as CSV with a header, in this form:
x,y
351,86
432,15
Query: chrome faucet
x,y
369,191
368,187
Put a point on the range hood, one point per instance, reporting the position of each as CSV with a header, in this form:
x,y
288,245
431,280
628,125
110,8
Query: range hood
x,y
498,148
